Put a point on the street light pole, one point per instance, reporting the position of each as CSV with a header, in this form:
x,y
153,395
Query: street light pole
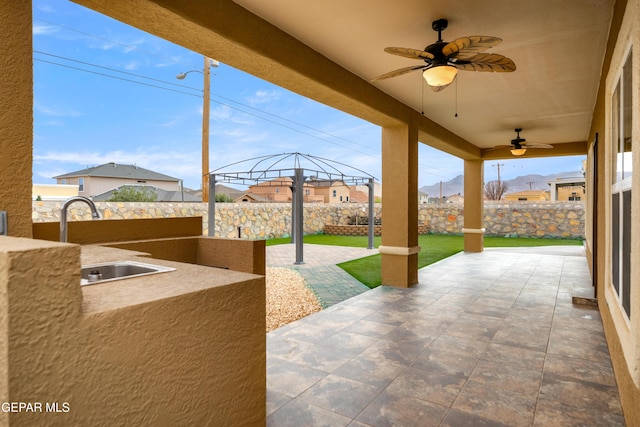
x,y
205,129
206,104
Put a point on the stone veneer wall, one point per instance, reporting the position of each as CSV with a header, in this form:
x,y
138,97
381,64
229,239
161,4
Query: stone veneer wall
x,y
269,220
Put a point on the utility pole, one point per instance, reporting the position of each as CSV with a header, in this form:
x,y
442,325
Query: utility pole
x,y
499,189
498,165
205,129
206,105
530,184
440,191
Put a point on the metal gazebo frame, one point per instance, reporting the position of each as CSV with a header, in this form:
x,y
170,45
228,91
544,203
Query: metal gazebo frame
x,y
265,170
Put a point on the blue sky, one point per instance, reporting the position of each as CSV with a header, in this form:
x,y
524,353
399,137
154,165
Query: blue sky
x,y
107,92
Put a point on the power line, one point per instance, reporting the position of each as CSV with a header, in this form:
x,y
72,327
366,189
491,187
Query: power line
x,y
115,77
135,47
217,102
113,69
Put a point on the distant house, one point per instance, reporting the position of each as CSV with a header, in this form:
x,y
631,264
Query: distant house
x,y
357,196
568,189
436,200
276,190
527,196
101,179
455,198
279,190
161,195
231,193
332,191
377,189
250,198
423,197
53,191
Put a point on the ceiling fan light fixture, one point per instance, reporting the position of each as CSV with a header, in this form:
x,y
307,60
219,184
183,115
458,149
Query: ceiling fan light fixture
x,y
440,75
518,151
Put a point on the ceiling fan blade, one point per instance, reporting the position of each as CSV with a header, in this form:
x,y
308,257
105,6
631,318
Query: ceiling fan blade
x,y
497,147
399,72
409,53
466,47
486,62
535,145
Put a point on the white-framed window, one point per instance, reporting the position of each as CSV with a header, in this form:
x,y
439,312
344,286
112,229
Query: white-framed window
x,y
80,184
335,193
621,188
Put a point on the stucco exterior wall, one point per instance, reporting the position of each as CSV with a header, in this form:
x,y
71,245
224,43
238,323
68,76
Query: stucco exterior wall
x,y
125,354
16,115
598,225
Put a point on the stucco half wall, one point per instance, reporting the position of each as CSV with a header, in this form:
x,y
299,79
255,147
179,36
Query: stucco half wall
x,y
189,351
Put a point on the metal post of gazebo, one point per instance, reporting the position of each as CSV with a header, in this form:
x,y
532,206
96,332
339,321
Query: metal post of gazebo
x,y
298,199
211,223
371,228
293,209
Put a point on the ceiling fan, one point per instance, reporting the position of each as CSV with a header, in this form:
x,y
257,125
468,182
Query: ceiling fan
x,y
519,145
444,59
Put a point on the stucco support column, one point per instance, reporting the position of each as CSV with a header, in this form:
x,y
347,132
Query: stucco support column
x,y
16,116
473,206
399,247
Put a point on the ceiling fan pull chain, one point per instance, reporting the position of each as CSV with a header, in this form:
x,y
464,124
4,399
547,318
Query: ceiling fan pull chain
x,y
456,115
422,82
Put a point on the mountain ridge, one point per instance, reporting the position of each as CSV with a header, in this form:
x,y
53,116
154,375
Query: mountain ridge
x,y
520,183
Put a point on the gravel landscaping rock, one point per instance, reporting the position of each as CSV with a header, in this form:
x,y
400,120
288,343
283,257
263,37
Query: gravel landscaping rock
x,y
288,297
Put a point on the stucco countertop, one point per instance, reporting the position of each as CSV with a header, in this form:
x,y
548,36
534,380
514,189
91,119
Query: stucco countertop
x,y
187,278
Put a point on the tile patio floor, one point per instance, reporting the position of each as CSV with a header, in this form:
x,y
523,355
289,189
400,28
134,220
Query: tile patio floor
x,y
488,339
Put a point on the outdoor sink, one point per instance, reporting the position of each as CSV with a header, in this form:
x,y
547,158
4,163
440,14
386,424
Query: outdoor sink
x,y
106,272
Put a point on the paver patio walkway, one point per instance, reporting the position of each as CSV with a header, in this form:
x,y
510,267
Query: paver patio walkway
x,y
329,282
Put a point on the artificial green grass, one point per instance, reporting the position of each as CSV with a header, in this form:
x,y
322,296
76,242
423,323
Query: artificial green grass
x,y
434,248
330,240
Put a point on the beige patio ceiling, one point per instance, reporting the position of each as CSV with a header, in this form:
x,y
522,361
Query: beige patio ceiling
x,y
558,48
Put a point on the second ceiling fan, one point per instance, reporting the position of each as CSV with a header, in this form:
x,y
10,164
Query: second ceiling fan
x,y
519,145
444,59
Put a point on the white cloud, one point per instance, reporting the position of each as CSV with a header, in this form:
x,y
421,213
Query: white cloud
x,y
169,61
56,111
45,8
183,165
132,65
262,97
43,30
170,123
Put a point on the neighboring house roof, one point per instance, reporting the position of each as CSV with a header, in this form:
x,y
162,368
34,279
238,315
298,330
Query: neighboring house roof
x,y
162,195
527,193
116,170
325,182
232,193
252,197
284,181
356,196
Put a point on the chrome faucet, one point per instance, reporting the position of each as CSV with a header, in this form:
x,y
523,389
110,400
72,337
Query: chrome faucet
x,y
63,213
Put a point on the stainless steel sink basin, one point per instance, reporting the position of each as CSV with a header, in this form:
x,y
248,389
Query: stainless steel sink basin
x,y
106,272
